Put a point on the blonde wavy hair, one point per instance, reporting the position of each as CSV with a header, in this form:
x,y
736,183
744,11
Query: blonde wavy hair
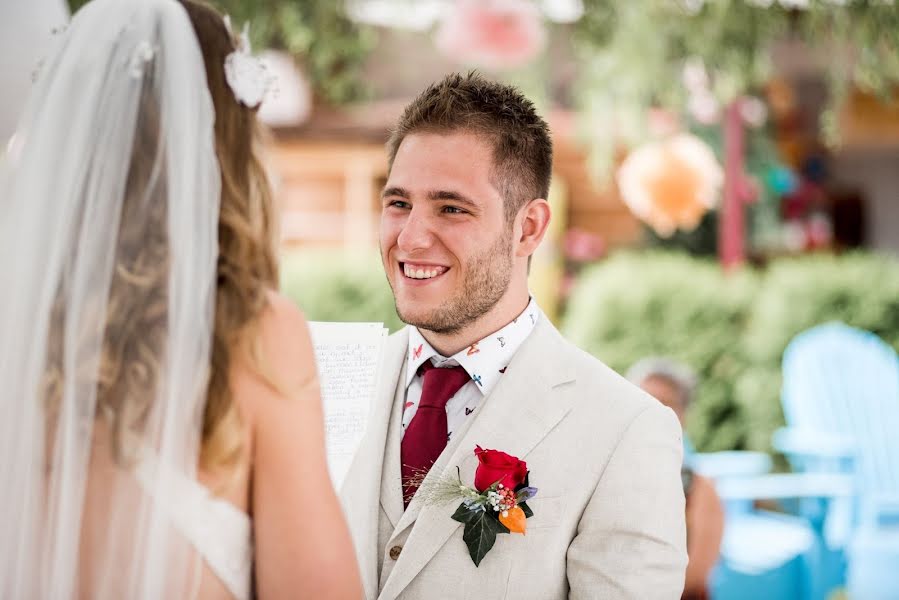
x,y
247,264
247,269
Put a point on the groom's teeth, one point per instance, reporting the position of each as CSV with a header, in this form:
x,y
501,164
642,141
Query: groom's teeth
x,y
422,273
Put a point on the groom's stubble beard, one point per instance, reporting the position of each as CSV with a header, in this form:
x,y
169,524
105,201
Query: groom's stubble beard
x,y
486,282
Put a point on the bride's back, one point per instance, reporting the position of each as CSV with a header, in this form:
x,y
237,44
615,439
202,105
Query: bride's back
x,y
156,394
202,508
209,534
141,264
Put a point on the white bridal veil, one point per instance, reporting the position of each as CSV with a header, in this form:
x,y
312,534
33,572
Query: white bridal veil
x,y
109,201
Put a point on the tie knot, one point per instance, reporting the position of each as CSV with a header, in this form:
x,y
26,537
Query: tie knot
x,y
439,384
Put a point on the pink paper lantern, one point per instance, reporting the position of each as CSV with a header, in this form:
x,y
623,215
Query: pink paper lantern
x,y
494,34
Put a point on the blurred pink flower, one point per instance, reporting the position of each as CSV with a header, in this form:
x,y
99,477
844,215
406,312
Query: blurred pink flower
x,y
793,234
753,111
662,122
818,231
695,77
495,34
704,107
583,246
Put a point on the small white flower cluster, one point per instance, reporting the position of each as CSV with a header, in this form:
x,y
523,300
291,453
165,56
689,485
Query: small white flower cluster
x,y
501,500
143,54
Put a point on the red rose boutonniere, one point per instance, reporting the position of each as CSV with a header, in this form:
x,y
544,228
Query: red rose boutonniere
x,y
496,504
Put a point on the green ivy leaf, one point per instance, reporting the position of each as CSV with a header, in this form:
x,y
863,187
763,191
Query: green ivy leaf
x,y
480,535
465,514
528,513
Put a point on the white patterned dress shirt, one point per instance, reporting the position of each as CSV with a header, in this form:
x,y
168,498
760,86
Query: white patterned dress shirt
x,y
484,361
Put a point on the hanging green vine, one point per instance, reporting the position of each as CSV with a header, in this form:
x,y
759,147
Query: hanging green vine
x,y
633,54
331,47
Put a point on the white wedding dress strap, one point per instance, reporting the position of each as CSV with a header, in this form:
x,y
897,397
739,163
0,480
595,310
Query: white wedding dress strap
x,y
220,532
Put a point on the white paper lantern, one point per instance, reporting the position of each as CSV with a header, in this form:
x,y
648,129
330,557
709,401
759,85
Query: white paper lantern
x,y
289,102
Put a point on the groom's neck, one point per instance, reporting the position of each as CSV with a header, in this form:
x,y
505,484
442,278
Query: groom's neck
x,y
502,313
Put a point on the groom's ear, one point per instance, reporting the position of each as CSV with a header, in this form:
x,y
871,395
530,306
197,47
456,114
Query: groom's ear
x,y
531,225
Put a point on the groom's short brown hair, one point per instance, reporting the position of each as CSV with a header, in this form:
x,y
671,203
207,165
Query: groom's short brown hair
x,y
522,148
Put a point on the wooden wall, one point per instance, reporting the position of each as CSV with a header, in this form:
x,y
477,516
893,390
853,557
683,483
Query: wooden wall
x,y
329,194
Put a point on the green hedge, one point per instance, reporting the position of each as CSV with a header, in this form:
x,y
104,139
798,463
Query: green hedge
x,y
332,286
859,289
656,303
731,329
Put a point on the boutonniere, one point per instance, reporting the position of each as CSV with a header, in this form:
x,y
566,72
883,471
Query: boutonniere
x,y
496,504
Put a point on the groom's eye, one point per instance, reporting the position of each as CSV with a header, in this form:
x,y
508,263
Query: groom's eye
x,y
398,204
454,210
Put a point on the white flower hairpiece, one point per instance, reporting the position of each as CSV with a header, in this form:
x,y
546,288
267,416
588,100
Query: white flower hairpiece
x,y
246,75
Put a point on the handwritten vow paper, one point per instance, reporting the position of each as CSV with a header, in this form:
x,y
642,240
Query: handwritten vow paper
x,y
349,360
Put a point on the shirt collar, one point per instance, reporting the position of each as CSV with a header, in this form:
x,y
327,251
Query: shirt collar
x,y
486,360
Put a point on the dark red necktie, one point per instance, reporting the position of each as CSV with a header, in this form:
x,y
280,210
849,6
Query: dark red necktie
x,y
426,435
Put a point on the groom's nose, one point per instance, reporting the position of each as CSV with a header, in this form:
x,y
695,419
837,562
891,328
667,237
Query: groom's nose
x,y
416,233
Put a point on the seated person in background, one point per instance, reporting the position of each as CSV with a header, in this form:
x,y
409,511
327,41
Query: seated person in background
x,y
672,384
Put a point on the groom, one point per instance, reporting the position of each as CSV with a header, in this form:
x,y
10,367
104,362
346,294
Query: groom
x,y
463,210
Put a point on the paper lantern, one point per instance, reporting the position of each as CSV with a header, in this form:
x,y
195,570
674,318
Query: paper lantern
x,y
289,102
670,184
495,34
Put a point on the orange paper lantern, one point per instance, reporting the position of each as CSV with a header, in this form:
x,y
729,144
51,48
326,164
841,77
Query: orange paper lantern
x,y
670,184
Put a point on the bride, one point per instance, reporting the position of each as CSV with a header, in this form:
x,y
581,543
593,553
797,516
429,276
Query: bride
x,y
160,422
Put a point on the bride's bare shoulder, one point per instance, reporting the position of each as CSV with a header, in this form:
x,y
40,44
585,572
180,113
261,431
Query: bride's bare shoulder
x,y
279,362
284,328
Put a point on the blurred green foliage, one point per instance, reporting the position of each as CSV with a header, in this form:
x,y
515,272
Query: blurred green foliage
x,y
330,286
731,329
329,46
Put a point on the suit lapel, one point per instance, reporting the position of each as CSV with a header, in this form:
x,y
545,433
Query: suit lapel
x,y
523,408
362,485
391,478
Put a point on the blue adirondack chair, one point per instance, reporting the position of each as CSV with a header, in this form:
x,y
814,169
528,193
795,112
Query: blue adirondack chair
x,y
827,371
841,405
766,554
763,554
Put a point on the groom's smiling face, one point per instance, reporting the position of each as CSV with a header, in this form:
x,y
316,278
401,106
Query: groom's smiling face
x,y
445,242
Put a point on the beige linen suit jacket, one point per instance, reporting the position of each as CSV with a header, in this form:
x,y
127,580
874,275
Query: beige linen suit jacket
x,y
609,516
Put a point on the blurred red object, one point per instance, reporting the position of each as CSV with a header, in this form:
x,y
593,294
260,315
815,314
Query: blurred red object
x,y
818,232
495,34
807,197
